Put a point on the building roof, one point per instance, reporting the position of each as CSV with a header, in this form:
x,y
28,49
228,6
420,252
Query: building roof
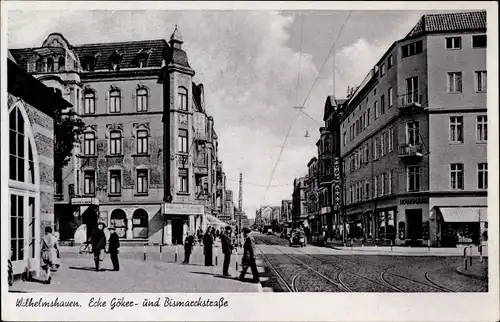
x,y
449,22
128,50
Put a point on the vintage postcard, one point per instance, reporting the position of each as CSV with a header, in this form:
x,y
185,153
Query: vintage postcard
x,y
205,160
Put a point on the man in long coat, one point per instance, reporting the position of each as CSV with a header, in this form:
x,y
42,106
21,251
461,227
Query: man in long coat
x,y
208,242
248,259
98,240
114,248
227,249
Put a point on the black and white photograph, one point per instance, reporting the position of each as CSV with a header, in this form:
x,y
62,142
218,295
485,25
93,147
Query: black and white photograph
x,y
240,151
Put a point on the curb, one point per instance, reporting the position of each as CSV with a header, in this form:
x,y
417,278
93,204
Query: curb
x,y
476,277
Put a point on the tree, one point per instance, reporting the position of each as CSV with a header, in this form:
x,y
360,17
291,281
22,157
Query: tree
x,y
67,131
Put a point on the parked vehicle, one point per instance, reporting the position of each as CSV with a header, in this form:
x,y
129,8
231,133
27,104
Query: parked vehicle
x,y
298,238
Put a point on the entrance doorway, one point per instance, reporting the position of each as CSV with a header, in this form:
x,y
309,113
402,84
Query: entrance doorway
x,y
414,223
89,218
177,227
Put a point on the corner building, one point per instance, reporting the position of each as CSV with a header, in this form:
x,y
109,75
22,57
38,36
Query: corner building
x,y
414,137
147,160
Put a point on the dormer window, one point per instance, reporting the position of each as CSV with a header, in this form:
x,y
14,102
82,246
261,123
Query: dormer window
x,y
114,61
50,64
141,59
61,64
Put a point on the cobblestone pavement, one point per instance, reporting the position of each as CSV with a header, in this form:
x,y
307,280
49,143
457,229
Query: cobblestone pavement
x,y
316,269
154,274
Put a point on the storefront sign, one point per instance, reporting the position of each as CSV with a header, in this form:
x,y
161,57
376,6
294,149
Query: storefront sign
x,y
85,201
336,184
413,201
182,209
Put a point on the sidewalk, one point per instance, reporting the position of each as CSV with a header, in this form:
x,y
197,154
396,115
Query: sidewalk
x,y
477,270
409,251
77,274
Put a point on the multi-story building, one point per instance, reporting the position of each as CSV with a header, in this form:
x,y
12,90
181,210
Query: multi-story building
x,y
286,212
276,214
312,183
228,215
299,203
147,162
31,107
414,136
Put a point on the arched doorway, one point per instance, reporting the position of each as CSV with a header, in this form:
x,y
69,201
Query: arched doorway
x,y
177,227
140,223
24,193
118,220
90,219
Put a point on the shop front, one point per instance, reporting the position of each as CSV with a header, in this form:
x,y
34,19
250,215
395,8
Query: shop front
x,y
181,220
413,227
459,225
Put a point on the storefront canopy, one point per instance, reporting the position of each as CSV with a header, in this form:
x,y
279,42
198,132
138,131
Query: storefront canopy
x,y
464,214
214,221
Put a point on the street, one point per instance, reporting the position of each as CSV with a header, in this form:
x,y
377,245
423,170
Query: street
x,y
322,269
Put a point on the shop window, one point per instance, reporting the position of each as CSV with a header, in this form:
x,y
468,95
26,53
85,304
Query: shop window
x,y
118,220
140,224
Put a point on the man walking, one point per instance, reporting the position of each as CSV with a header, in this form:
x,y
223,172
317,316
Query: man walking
x,y
208,242
227,249
98,240
188,248
114,248
248,259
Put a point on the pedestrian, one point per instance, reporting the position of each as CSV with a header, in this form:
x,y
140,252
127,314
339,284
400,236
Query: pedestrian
x,y
49,253
188,248
98,240
114,248
227,249
208,242
248,259
200,236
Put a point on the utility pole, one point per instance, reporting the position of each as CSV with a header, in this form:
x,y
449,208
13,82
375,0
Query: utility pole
x,y
240,203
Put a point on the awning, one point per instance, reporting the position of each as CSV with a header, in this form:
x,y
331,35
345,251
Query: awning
x,y
464,214
214,221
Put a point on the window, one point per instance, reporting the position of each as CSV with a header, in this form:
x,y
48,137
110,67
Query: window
x,y
390,61
457,176
382,70
183,141
50,65
389,97
115,101
61,64
481,81
413,133
377,111
363,118
390,141
115,185
183,181
89,143
479,41
454,43
482,128
383,139
382,184
413,178
368,116
382,104
89,102
367,189
142,142
482,176
412,90
456,129
344,138
367,153
33,226
389,182
375,187
455,82
115,143
142,181
183,102
17,143
17,226
142,100
414,48
375,149
89,182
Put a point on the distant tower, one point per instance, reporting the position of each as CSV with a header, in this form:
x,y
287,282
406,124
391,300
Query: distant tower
x,y
240,199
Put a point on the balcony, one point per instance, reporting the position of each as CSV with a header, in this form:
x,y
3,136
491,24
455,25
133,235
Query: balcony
x,y
410,103
410,150
200,137
200,167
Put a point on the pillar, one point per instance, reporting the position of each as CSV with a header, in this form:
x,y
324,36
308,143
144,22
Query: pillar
x,y
192,228
185,228
168,232
129,228
197,223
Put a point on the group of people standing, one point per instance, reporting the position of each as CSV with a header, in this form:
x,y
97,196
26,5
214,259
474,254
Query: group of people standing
x,y
99,242
227,245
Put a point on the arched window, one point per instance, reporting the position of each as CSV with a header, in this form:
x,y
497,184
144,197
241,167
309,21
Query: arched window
x,y
140,224
142,99
89,143
38,65
115,101
183,101
89,102
142,142
23,190
50,64
118,219
61,64
115,143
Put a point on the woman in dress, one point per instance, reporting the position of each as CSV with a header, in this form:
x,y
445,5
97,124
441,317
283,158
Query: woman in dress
x,y
49,256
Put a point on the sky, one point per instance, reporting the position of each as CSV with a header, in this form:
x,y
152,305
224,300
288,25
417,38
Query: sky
x,y
256,66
